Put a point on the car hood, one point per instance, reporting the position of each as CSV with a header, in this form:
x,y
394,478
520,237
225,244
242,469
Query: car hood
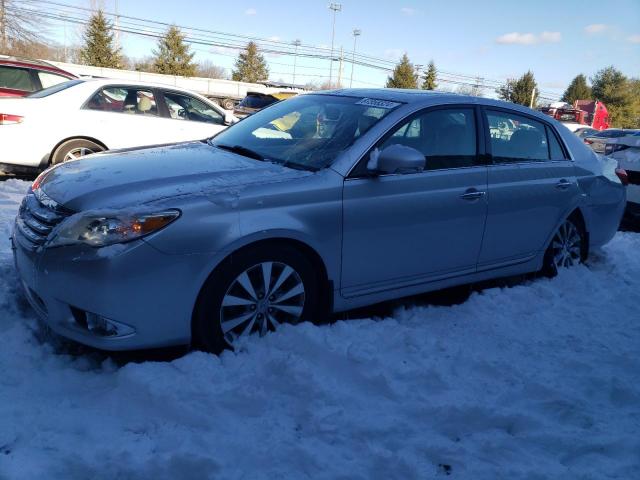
x,y
128,178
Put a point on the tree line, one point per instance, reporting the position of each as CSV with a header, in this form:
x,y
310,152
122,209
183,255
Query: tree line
x,y
619,93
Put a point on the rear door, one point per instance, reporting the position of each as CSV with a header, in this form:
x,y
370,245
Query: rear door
x,y
409,228
532,184
125,116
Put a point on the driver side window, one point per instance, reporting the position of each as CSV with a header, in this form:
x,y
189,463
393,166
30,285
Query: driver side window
x,y
446,137
184,107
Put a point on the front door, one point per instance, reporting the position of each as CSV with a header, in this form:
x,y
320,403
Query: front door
x,y
409,228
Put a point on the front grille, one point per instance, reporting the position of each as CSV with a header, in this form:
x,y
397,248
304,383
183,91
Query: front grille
x,y
634,177
37,218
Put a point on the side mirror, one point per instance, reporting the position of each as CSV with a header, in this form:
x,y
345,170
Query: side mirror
x,y
230,118
396,159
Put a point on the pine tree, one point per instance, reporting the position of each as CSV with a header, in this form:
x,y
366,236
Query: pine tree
x,y
403,75
619,94
98,49
430,77
519,91
577,90
173,56
250,65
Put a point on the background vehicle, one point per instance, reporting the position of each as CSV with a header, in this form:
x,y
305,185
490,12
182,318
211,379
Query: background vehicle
x,y
22,76
592,113
364,196
227,93
86,116
255,101
585,132
597,141
626,151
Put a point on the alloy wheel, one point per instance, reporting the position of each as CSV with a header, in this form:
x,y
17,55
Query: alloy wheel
x,y
260,299
566,245
76,153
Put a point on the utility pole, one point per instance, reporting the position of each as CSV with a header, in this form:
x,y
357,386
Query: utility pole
x,y
533,95
296,43
356,33
117,25
340,69
418,67
3,27
336,7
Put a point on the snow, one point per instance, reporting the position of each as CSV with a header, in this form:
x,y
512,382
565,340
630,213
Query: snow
x,y
537,381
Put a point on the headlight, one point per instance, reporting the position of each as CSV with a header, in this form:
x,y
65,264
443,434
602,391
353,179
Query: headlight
x,y
99,230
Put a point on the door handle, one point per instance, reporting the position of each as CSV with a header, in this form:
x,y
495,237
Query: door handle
x,y
472,194
563,184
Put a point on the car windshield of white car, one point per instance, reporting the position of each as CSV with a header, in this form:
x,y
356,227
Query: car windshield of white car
x,y
308,131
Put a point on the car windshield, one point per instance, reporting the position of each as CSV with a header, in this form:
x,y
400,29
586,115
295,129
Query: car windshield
x,y
308,131
54,89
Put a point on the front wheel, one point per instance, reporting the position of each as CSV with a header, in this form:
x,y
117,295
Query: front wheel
x,y
255,292
567,248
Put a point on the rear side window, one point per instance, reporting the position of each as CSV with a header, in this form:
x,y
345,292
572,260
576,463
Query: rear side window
x,y
129,100
516,138
446,138
16,78
48,79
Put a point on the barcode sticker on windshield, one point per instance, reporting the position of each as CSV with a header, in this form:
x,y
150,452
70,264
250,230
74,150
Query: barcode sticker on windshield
x,y
372,102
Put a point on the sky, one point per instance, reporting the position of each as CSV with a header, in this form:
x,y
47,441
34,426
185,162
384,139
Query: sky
x,y
494,39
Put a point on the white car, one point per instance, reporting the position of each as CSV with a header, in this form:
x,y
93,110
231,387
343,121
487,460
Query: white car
x,y
626,151
84,116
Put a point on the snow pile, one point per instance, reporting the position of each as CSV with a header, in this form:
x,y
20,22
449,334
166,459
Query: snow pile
x,y
537,381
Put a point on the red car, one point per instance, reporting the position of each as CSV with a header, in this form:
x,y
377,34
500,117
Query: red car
x,y
22,76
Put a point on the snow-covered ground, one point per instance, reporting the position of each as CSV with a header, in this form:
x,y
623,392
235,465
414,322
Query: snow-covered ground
x,y
537,381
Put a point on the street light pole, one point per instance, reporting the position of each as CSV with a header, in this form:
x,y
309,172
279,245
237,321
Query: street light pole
x,y
336,7
356,33
296,43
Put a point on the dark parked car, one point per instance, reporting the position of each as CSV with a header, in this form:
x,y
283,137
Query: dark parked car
x,y
21,76
257,101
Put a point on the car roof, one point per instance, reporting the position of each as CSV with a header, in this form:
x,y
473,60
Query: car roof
x,y
31,63
99,81
427,98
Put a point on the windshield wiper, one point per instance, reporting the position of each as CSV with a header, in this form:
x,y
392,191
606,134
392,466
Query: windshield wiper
x,y
240,150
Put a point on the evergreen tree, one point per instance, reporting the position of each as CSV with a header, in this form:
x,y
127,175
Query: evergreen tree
x,y
98,49
519,91
619,94
173,56
577,90
250,65
430,77
403,75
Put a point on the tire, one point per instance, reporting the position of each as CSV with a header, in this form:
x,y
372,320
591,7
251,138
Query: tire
x,y
227,310
228,104
568,247
73,149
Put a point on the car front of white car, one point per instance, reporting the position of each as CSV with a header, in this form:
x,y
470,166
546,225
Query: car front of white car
x,y
626,151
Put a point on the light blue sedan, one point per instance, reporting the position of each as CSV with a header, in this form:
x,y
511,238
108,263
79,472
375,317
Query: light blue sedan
x,y
317,204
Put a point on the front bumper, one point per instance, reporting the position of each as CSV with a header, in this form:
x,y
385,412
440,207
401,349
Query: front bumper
x,y
150,294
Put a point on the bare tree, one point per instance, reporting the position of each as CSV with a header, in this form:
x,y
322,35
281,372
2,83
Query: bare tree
x,y
208,69
18,24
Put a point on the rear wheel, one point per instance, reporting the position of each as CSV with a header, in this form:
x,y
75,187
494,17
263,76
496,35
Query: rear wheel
x,y
74,149
228,104
255,292
567,248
